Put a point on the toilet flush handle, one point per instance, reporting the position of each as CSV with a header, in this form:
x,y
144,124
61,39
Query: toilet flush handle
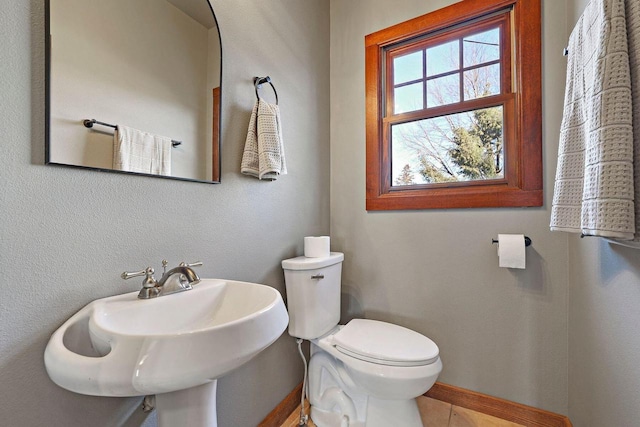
x,y
318,276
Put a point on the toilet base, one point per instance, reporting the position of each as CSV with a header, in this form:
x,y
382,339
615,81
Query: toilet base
x,y
380,413
336,401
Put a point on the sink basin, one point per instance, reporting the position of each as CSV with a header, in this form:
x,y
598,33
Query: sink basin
x,y
124,346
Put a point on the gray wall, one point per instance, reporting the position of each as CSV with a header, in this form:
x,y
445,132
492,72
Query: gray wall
x,y
604,344
500,332
67,234
604,314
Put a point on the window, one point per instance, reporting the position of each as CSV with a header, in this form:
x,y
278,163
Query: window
x,y
454,108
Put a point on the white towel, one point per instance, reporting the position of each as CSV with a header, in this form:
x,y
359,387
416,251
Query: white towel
x,y
142,152
594,188
263,155
633,36
250,160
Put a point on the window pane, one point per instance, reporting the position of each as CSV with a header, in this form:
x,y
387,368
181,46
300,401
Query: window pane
x,y
408,98
407,68
483,81
482,47
458,147
443,58
443,90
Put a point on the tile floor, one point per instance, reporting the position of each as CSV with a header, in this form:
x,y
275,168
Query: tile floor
x,y
435,413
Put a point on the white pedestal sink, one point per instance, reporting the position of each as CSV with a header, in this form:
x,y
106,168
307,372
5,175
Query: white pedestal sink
x,y
174,346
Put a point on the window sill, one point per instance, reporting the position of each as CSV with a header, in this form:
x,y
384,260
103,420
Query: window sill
x,y
488,196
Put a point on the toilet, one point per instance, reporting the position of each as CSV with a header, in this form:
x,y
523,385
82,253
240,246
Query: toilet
x,y
366,373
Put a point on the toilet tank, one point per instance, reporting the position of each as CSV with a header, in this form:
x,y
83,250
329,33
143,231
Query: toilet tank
x,y
313,294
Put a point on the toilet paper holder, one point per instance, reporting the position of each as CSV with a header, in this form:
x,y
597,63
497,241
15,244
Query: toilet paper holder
x,y
527,241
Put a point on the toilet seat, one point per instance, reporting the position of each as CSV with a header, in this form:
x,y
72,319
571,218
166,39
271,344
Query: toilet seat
x,y
384,344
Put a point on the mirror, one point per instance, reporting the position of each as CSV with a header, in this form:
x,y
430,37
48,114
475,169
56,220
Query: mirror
x,y
153,68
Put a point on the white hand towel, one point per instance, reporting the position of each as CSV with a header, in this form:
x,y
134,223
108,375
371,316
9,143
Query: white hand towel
x,y
633,37
270,146
594,188
263,155
250,160
142,152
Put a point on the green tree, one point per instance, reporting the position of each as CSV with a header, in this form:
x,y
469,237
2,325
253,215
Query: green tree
x,y
406,176
477,150
432,174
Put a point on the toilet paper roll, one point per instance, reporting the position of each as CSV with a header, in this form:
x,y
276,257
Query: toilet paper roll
x,y
511,252
316,246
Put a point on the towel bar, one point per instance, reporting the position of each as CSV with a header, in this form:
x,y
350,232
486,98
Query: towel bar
x,y
88,123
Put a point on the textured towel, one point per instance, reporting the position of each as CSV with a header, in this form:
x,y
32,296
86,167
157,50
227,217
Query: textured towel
x,y
250,160
142,152
633,36
270,147
263,155
594,188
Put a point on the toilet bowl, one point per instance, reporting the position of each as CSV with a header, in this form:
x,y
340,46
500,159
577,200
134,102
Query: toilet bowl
x,y
366,373
379,386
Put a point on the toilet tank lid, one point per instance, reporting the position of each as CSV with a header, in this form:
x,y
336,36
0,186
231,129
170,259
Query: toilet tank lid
x,y
305,263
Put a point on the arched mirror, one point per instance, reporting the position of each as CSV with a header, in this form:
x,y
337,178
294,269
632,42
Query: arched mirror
x,y
133,83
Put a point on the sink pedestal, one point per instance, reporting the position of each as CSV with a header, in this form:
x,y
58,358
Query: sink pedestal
x,y
193,407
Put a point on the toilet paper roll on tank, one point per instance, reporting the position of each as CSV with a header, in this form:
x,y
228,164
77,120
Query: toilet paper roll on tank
x,y
511,251
317,246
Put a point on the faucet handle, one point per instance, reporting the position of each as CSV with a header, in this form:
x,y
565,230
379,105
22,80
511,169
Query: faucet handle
x,y
194,264
148,281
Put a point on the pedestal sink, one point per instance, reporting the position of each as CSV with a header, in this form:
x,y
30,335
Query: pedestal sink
x,y
174,346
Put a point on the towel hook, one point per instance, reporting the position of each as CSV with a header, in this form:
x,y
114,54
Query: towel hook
x,y
257,83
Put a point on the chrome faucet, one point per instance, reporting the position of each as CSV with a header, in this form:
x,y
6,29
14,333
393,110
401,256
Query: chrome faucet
x,y
177,279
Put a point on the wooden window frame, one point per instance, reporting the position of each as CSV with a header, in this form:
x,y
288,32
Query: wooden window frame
x,y
522,183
